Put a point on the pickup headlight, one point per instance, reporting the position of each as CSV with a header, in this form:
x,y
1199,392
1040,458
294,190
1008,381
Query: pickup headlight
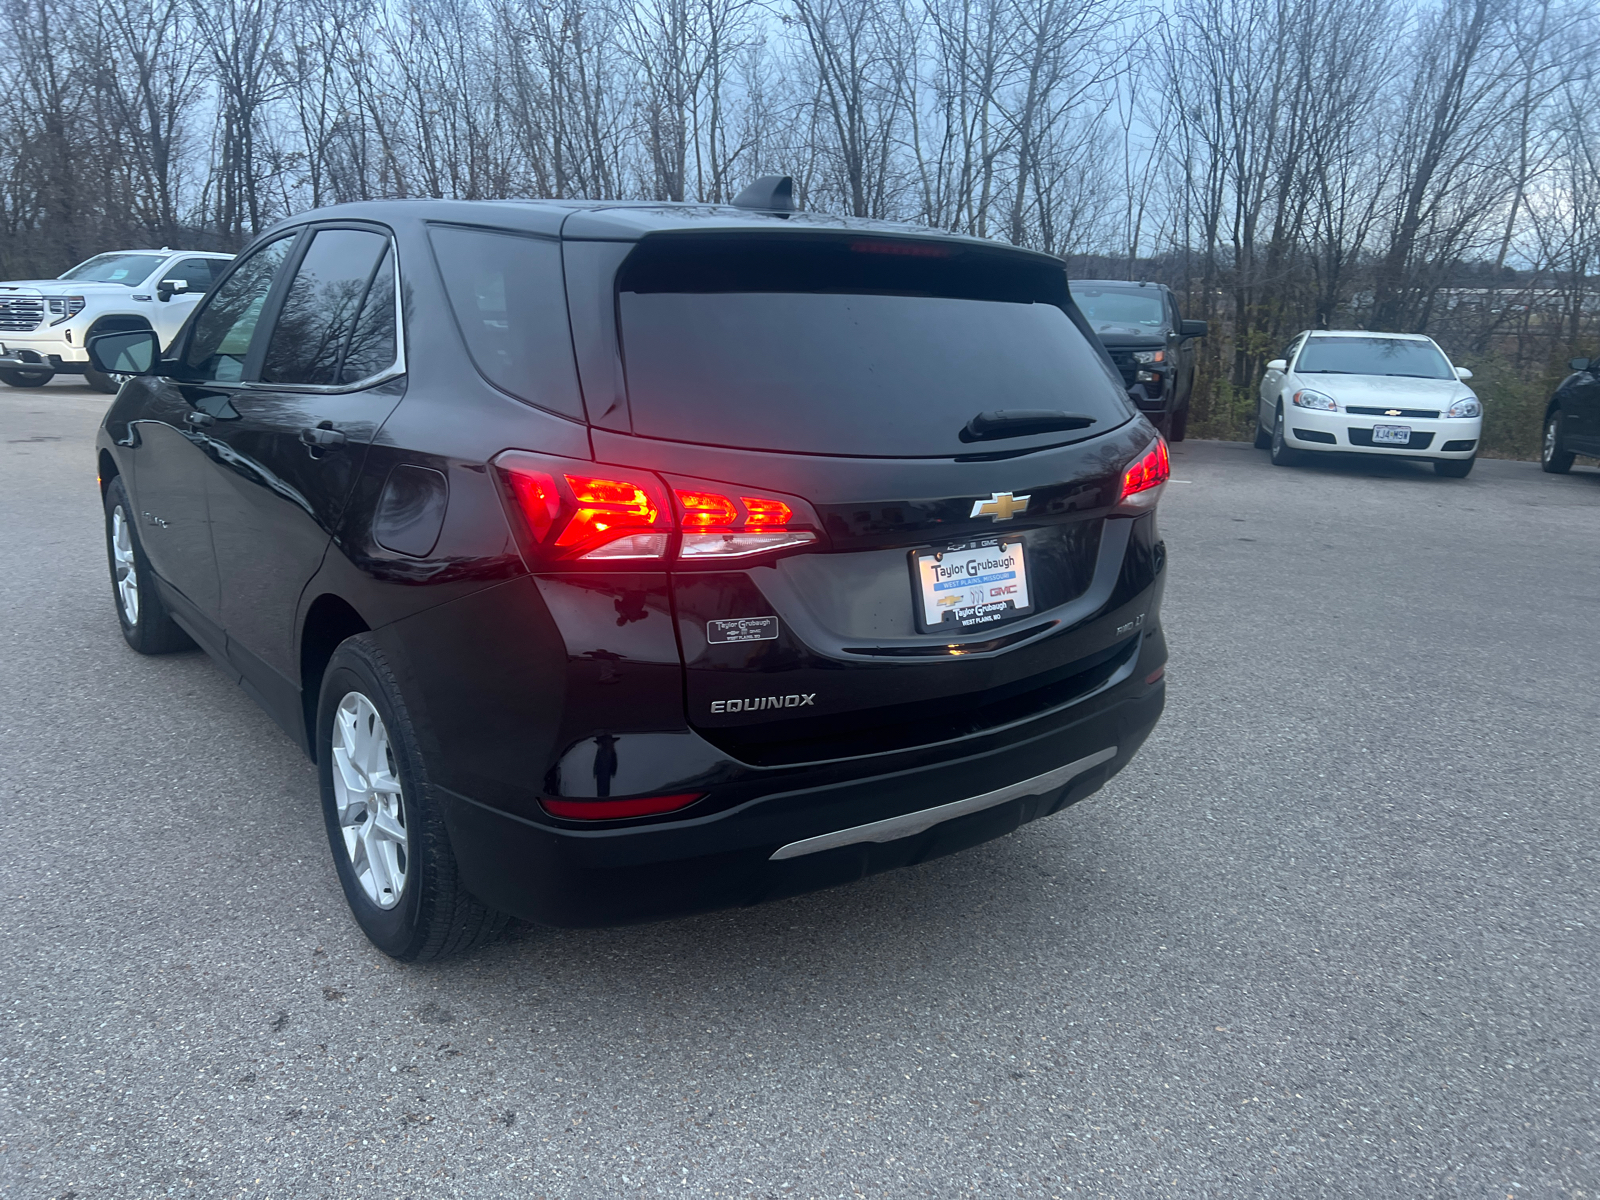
x,y
1149,356
65,307
1306,398
1467,406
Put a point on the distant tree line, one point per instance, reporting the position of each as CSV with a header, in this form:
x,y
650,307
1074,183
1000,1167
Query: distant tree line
x,y
1427,165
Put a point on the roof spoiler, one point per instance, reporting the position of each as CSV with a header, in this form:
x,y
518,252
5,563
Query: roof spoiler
x,y
770,194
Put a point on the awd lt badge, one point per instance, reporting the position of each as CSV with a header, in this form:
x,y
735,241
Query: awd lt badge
x,y
1002,506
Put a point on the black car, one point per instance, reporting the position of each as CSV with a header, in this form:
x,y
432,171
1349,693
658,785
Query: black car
x,y
1151,344
615,561
1572,418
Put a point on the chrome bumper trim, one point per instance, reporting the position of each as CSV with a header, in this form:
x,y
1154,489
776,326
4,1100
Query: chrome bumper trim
x,y
911,823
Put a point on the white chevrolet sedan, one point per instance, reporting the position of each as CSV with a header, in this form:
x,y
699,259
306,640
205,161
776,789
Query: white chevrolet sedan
x,y
1392,394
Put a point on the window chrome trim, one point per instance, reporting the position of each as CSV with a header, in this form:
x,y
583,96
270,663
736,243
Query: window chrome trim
x,y
360,385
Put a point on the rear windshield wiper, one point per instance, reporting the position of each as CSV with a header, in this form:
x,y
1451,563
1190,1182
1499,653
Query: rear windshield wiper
x,y
1020,422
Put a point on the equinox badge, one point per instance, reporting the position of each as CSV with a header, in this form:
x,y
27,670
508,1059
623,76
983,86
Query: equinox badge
x,y
1002,506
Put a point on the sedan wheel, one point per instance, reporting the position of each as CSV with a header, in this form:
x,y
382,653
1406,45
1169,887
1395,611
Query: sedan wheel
x,y
1283,454
369,801
1554,457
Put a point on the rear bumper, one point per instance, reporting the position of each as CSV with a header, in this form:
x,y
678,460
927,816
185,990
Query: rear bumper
x,y
798,840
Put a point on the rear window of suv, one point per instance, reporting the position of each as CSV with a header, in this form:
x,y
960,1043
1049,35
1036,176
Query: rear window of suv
x,y
850,345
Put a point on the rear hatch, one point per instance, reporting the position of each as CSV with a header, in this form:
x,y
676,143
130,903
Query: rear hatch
x,y
860,395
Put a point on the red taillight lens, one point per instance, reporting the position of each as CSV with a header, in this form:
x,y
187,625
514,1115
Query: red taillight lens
x,y
715,526
616,518
538,499
765,513
600,515
1145,475
618,515
613,810
707,510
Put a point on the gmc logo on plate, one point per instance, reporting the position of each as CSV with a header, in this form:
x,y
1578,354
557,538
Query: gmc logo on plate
x,y
762,702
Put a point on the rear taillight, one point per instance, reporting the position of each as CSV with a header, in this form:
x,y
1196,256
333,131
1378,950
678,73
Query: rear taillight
x,y
615,810
600,515
589,515
721,526
1142,480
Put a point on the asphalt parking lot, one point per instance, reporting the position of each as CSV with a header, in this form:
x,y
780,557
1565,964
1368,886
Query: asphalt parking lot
x,y
1334,932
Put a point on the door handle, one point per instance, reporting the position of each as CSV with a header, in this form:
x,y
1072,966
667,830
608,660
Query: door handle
x,y
200,420
322,438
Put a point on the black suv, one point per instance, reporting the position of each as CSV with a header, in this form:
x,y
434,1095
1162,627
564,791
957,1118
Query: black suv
x,y
615,561
1572,418
1153,347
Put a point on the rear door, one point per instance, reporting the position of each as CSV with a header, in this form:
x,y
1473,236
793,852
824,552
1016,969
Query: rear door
x,y
837,382
321,377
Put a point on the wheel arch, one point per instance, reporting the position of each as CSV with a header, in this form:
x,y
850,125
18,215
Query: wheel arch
x,y
108,469
329,620
117,323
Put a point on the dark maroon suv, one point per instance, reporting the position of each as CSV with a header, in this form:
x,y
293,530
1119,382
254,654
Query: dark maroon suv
x,y
616,561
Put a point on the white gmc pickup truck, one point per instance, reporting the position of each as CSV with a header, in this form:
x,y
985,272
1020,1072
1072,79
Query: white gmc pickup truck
x,y
46,323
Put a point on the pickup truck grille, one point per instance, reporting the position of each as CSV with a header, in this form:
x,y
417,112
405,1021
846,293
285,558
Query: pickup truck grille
x,y
20,314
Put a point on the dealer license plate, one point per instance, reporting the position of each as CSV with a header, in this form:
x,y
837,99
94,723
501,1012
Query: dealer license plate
x,y
970,586
1391,435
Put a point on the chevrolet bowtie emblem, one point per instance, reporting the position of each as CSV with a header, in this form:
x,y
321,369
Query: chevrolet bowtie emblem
x,y
1002,506
1393,412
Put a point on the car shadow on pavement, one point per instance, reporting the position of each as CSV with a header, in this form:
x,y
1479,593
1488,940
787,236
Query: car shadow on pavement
x,y
961,931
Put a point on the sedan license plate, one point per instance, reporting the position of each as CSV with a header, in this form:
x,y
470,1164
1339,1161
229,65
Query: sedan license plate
x,y
970,586
1391,435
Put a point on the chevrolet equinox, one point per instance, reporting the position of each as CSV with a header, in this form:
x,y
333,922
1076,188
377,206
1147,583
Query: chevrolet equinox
x,y
617,561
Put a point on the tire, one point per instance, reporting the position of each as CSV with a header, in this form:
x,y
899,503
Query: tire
x,y
1554,457
1283,454
146,624
1263,436
388,841
1454,468
1180,425
100,381
13,377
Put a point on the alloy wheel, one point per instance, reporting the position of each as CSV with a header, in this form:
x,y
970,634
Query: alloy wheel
x,y
122,562
370,804
1549,439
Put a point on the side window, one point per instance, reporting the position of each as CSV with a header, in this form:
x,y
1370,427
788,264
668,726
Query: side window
x,y
372,345
510,301
319,315
226,324
1289,350
196,272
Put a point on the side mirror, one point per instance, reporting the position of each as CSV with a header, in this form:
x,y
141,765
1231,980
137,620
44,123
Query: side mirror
x,y
134,352
168,288
1463,374
1189,329
1579,364
1278,364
